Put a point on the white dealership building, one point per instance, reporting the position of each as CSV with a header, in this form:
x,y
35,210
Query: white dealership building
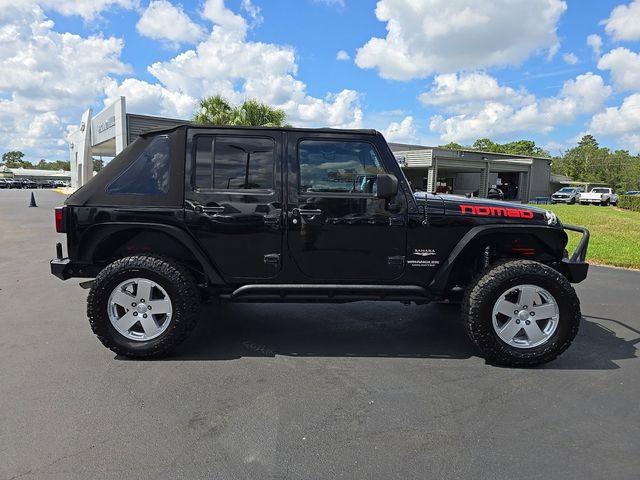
x,y
105,135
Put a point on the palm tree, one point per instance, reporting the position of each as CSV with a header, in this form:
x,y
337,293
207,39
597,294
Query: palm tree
x,y
216,110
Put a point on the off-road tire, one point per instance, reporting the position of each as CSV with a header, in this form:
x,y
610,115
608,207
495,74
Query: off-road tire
x,y
483,292
176,281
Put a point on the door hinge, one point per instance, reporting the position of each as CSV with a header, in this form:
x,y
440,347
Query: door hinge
x,y
272,259
399,260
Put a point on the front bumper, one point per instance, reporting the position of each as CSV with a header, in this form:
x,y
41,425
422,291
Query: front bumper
x,y
575,268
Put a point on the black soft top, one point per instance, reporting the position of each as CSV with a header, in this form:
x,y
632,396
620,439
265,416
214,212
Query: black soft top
x,y
94,192
185,125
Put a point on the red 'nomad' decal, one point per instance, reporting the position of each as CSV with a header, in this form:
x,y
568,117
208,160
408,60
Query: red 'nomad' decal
x,y
484,211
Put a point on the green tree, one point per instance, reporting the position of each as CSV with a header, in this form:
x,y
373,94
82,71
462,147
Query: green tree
x,y
98,164
53,165
585,161
217,110
589,162
524,147
518,147
454,146
258,114
487,145
13,159
588,141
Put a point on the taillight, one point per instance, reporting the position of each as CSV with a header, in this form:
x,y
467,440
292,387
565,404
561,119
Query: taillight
x,y
61,217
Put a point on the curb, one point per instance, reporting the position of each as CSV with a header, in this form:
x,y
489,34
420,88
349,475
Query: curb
x,y
64,190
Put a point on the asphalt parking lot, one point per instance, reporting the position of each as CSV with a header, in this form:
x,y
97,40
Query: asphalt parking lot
x,y
365,390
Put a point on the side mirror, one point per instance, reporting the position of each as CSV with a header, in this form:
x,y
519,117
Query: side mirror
x,y
387,186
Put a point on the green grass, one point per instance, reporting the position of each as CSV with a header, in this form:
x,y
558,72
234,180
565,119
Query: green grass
x,y
615,233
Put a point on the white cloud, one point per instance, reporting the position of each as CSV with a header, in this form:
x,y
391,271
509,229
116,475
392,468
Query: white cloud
x,y
343,55
402,132
228,64
624,66
87,9
254,12
151,99
595,42
331,3
555,148
164,21
47,77
553,50
570,58
216,12
624,119
459,91
624,22
444,36
631,141
50,77
493,118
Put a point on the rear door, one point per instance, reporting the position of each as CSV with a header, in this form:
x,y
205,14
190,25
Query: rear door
x,y
337,228
233,199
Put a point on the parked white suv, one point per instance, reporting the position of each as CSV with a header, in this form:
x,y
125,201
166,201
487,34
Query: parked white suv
x,y
599,196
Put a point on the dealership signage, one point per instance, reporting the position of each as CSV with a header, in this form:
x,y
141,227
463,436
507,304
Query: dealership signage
x,y
107,124
103,126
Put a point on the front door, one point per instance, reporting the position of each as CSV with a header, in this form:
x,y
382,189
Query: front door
x,y
337,228
233,203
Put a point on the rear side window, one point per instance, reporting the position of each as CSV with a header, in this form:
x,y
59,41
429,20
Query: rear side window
x,y
234,163
148,174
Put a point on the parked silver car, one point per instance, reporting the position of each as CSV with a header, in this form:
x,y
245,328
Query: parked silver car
x,y
566,195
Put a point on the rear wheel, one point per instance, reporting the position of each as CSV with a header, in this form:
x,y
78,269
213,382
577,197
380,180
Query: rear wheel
x,y
521,313
143,306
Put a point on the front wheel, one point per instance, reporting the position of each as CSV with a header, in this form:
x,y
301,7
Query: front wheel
x,y
143,306
521,313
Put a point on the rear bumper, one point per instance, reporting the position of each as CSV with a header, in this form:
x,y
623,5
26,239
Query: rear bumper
x,y
63,268
575,268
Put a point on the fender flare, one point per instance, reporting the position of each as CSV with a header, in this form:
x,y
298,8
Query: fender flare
x,y
554,237
97,233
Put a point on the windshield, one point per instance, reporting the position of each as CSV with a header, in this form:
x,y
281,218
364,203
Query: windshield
x,y
566,190
600,190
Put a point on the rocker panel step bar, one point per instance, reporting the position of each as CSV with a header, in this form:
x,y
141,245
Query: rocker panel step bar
x,y
332,292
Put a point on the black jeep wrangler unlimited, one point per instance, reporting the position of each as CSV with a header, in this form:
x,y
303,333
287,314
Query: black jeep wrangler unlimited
x,y
306,215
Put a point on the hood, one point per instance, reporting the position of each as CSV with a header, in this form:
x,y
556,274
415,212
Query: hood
x,y
482,211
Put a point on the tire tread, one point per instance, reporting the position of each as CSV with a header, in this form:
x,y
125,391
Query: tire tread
x,y
482,334
186,304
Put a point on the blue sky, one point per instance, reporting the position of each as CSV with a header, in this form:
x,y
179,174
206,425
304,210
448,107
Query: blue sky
x,y
428,71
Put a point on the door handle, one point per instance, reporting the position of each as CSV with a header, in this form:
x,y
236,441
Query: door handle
x,y
209,210
307,213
